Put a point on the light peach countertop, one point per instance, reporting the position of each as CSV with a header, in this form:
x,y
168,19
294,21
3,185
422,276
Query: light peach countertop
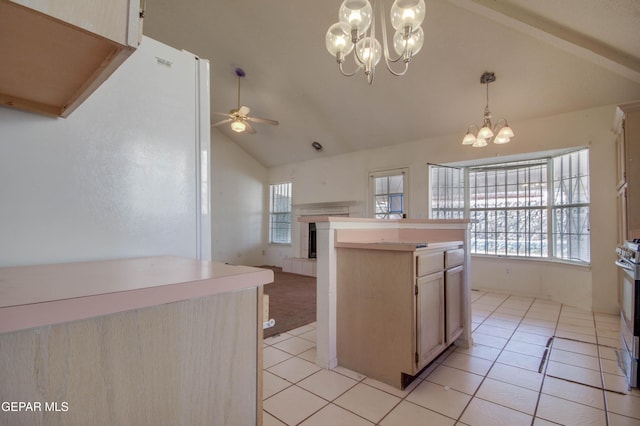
x,y
396,246
337,219
32,296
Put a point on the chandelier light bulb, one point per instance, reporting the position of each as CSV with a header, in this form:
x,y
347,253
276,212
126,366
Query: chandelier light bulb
x,y
369,51
356,14
413,44
468,139
407,13
338,40
485,133
479,143
506,132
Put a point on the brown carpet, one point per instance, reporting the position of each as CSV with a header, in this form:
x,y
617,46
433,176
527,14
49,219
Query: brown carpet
x,y
292,301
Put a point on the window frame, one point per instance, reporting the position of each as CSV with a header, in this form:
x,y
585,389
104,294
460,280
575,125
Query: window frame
x,y
404,172
508,211
284,213
562,206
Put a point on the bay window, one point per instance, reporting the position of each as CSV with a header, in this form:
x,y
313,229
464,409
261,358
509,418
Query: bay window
x,y
537,208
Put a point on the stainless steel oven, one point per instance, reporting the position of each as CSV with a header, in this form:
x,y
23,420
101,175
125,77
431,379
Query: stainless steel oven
x,y
629,263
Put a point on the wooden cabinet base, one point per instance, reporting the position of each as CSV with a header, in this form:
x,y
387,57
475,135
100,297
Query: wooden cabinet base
x,y
192,362
375,314
392,309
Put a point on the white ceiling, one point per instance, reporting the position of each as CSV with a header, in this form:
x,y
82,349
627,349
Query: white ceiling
x,y
549,57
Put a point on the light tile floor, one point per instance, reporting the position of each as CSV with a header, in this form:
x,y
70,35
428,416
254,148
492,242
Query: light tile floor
x,y
496,382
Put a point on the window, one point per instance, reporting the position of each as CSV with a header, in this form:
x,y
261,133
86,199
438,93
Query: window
x,y
508,209
388,194
280,213
571,206
536,208
447,192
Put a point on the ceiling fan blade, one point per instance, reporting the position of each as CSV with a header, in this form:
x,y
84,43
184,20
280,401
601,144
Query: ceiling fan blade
x,y
221,122
249,128
263,120
244,110
224,114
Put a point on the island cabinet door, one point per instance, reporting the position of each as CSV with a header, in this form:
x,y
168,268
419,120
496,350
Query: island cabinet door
x,y
453,283
430,339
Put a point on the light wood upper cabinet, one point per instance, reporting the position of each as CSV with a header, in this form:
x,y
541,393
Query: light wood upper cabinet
x,y
108,19
57,52
627,128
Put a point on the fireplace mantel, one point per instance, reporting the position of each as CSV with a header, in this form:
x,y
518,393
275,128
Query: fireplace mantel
x,y
340,208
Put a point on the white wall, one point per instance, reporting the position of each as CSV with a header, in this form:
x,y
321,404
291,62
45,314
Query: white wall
x,y
344,178
238,196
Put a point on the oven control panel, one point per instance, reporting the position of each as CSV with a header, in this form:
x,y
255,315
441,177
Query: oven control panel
x,y
630,250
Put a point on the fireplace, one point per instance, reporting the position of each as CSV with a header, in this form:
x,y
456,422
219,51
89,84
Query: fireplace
x,y
306,238
312,241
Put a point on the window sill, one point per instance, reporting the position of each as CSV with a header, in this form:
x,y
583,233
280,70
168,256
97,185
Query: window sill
x,y
532,259
280,244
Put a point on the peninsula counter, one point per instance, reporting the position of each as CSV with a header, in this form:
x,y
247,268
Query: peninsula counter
x,y
157,340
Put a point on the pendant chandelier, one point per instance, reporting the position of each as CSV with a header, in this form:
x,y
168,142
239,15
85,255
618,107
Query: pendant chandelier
x,y
357,27
500,133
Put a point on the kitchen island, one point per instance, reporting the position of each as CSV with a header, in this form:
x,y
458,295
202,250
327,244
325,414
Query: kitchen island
x,y
158,340
340,233
399,306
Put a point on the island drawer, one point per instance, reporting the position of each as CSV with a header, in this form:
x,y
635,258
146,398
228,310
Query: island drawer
x,y
429,263
453,258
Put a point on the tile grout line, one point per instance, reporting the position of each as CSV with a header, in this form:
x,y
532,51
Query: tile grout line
x,y
458,420
494,310
546,365
604,391
328,402
422,380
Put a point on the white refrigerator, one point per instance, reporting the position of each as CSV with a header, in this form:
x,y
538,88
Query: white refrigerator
x,y
125,175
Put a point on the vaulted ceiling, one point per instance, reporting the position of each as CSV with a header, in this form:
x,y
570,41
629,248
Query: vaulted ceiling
x,y
549,57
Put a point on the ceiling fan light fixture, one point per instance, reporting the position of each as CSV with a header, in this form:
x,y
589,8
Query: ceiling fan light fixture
x,y
238,126
501,130
239,118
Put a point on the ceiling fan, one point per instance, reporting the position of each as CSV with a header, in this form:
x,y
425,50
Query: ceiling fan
x,y
239,117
